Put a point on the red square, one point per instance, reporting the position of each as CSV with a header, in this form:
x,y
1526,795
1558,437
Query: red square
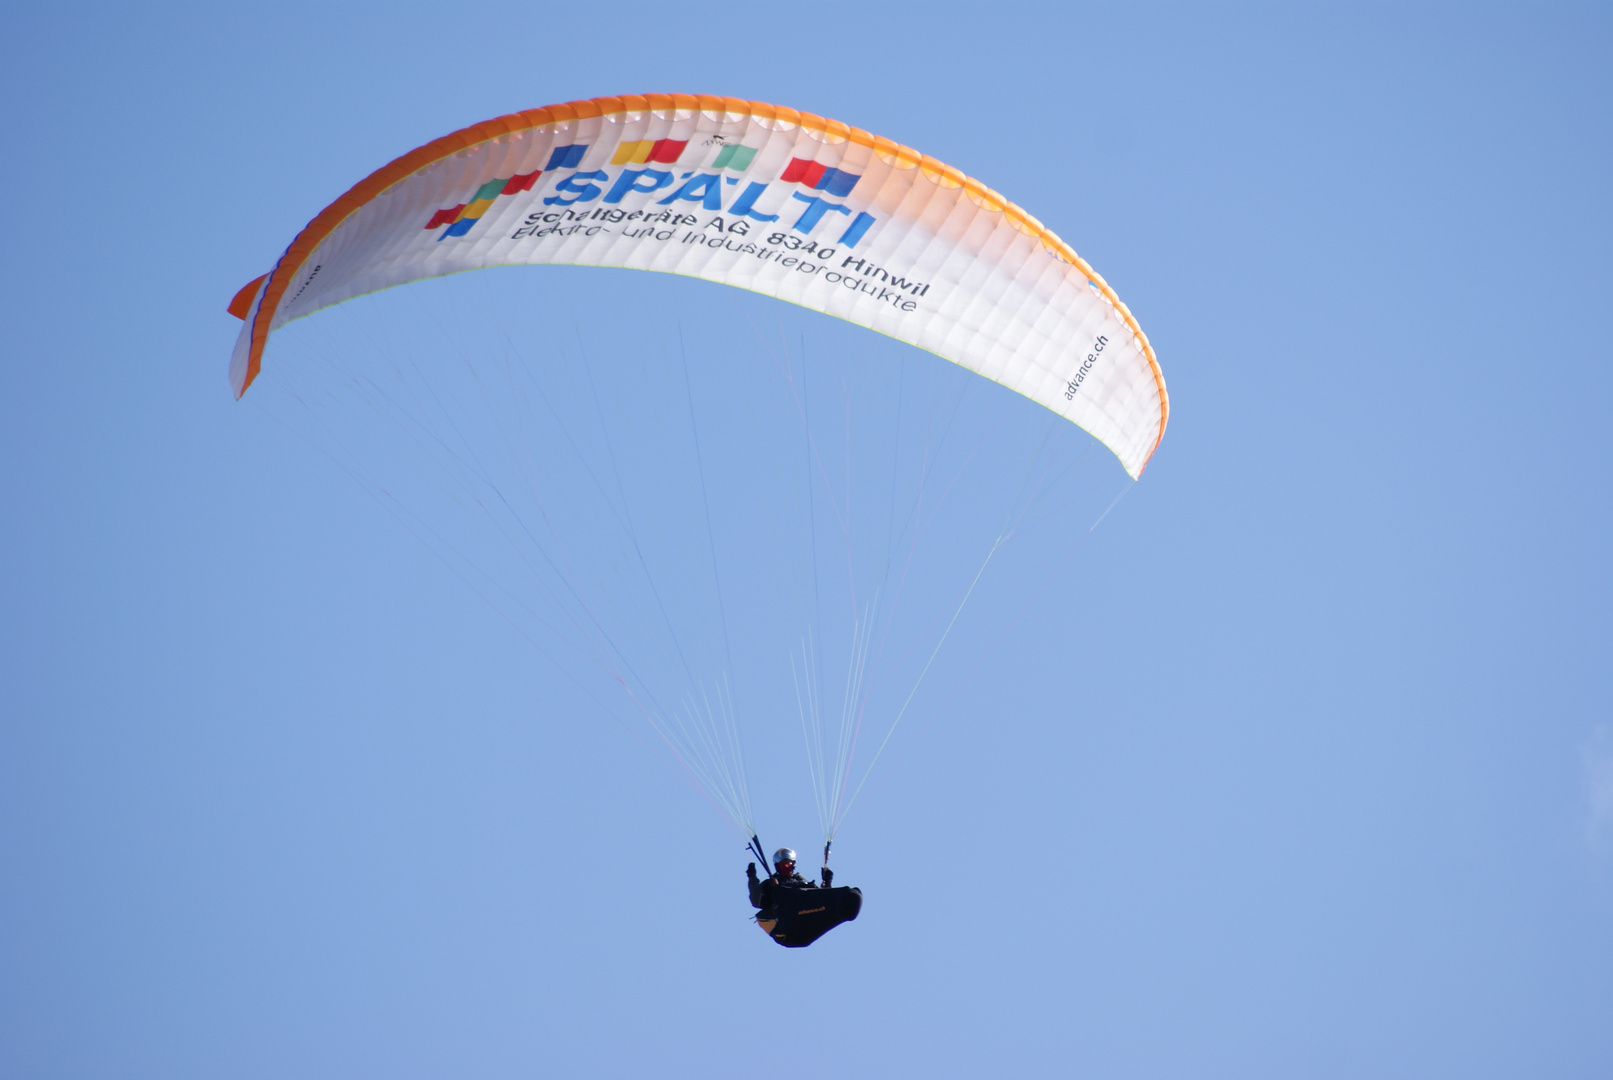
x,y
666,151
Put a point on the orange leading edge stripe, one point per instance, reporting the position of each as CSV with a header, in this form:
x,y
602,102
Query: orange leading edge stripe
x,y
438,149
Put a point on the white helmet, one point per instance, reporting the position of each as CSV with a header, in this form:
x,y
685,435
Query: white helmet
x,y
783,855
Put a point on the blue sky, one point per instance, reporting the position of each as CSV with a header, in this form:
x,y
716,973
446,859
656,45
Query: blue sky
x,y
1312,776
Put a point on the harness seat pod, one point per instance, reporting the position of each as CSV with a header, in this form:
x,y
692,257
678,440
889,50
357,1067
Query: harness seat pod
x,y
798,917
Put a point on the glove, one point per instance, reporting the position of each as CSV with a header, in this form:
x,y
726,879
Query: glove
x,y
750,871
828,877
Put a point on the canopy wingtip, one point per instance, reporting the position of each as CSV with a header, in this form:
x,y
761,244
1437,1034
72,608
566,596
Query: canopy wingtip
x,y
241,302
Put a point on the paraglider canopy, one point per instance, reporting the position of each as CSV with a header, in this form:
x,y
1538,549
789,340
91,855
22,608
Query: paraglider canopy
x,y
759,196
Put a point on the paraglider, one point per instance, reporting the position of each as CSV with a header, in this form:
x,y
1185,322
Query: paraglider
x,y
796,912
766,199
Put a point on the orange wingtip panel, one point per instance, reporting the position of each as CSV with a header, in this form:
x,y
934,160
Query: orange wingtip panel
x,y
243,299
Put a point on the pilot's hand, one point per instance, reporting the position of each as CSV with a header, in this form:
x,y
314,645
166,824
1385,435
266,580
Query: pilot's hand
x,y
750,871
828,877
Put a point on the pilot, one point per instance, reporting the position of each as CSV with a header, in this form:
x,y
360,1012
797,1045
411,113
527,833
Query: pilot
x,y
785,875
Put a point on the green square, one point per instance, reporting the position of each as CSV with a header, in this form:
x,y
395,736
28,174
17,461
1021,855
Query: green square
x,y
734,157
